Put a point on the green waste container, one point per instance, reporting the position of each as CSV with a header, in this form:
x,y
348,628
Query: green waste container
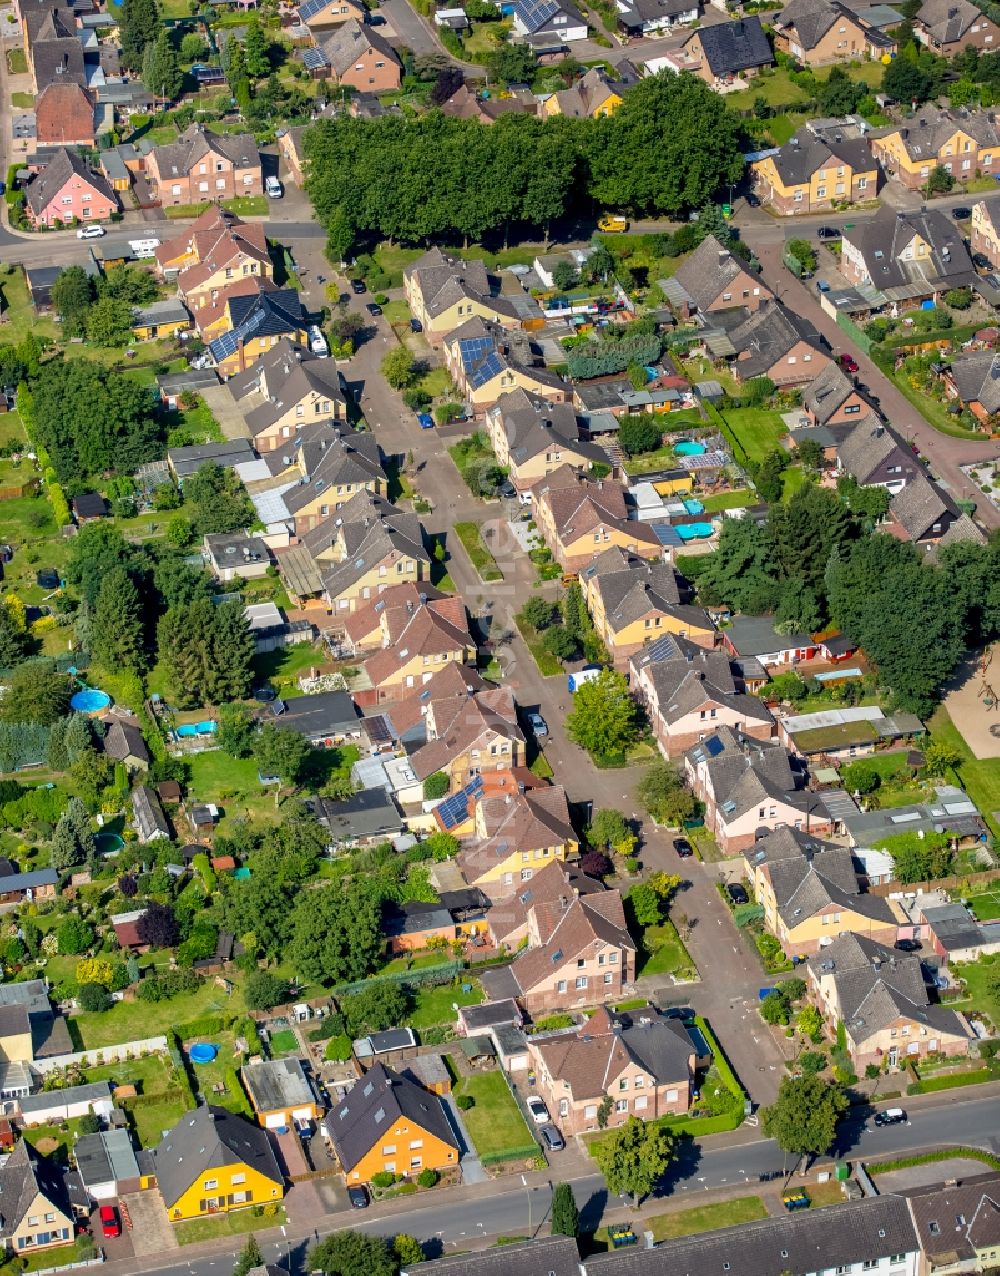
x,y
843,1172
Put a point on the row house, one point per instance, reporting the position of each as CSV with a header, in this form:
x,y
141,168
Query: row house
x,y
202,167
912,257
467,736
515,837
812,173
984,234
443,292
66,190
418,638
580,518
961,141
485,362
532,437
776,343
287,390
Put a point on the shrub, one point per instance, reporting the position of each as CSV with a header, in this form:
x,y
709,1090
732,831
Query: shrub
x,y
382,1178
428,1178
465,1102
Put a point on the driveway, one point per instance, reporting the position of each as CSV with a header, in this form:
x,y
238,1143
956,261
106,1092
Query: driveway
x,y
419,36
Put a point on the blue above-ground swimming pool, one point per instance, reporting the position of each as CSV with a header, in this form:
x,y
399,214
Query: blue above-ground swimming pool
x,y
190,729
694,531
688,447
203,1052
89,700
694,507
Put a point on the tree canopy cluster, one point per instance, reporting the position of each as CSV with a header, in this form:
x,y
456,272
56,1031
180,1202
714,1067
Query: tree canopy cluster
x,y
669,147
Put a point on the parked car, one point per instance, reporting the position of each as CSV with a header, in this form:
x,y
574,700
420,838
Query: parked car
x,y
683,848
737,893
426,420
273,188
110,1225
908,945
891,1116
357,286
538,724
373,309
822,285
416,325
848,362
539,1112
828,232
358,1196
552,1139
752,200
90,232
981,261
684,1013
961,213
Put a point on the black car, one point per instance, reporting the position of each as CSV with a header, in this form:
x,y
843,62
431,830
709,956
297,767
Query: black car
x,y
752,200
961,213
373,309
828,232
358,1196
684,1013
683,847
551,1137
507,490
891,1116
357,286
737,893
908,945
981,261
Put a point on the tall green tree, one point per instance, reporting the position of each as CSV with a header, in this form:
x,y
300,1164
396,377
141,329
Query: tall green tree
x,y
138,26
803,1119
208,650
336,937
255,50
73,840
118,641
353,1254
109,322
664,794
13,639
634,1157
72,296
565,1212
161,67
604,719
280,751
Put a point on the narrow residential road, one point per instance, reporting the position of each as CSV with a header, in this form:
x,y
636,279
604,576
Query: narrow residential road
x,y
945,453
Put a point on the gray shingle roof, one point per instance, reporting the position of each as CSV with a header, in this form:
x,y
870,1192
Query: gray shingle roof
x,y
767,336
345,46
947,20
26,1175
830,390
977,379
179,158
709,271
811,19
805,154
920,506
735,46
63,166
533,425
374,1104
333,457
555,1255
210,1138
883,240
869,445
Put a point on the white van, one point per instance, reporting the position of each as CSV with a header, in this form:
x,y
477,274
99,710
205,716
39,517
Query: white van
x,y
90,232
317,342
142,248
273,188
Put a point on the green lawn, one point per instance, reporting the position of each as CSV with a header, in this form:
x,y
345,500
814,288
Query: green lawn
x,y
482,560
236,1224
150,1075
887,765
931,409
58,1256
987,906
548,665
17,62
152,1119
437,383
980,979
495,1123
663,953
979,778
775,87
728,500
283,1042
705,1218
753,432
135,1020
393,258
433,1005
282,667
19,314
23,101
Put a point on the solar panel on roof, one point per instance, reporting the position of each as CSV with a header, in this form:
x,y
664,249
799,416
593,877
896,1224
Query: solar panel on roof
x,y
313,59
491,366
228,343
311,8
535,13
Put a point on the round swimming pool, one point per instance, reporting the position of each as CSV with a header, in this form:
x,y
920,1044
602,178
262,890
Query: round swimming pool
x,y
689,447
89,700
203,1052
108,843
694,531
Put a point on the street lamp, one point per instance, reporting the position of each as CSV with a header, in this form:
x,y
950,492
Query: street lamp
x,y
527,1192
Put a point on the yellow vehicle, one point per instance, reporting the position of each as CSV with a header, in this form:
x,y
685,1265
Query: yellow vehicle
x,y
613,225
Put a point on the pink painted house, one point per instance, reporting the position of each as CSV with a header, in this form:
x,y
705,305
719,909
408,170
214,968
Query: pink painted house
x,y
66,189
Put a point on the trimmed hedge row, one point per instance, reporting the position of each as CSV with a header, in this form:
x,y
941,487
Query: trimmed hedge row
x,y
952,1082
929,1158
729,1077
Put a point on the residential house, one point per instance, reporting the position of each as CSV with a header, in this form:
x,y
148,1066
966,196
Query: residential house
x,y
911,257
467,104
749,786
147,813
417,640
517,835
226,246
37,1213
947,27
291,150
645,1066
330,465
880,996
182,462
160,320
107,1165
64,115
386,1124
127,930
443,292
633,602
320,16
368,818
507,919
921,512
687,692
213,1162
20,888
532,437
815,32
66,189
410,926
875,456
279,1092
713,279
286,390
55,52
811,895
254,317
874,1234
961,141
594,94
580,518
985,229
833,399
777,343
755,637
974,380
325,719
720,53
652,17
467,736
811,173
123,742
365,629
548,28
236,556
203,167
362,59
579,953
486,362
972,1242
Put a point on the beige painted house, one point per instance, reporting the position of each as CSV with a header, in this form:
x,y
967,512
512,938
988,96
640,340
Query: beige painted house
x,y
443,292
532,437
880,996
417,641
285,391
963,142
467,734
645,1068
516,837
580,518
985,229
486,362
37,1214
816,32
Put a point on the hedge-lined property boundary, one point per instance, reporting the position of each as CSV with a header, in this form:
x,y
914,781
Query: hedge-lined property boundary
x,y
929,1158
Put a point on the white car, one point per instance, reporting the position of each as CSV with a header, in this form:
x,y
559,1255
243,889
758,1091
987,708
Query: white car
x,y
273,188
317,342
90,232
539,1112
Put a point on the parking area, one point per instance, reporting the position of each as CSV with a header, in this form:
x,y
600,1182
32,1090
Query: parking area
x,y
151,1231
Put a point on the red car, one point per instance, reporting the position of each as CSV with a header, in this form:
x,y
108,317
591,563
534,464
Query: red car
x,y
848,363
110,1226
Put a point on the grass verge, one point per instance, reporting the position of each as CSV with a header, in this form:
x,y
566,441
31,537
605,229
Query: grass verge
x,y
238,1223
482,560
548,665
931,1158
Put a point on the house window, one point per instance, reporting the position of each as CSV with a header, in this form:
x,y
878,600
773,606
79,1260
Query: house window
x,y
416,1162
581,981
613,958
641,1103
671,1096
220,183
862,183
417,1143
526,877
623,1083
590,1112
821,193
609,977
640,1082
210,1184
238,1178
621,1105
561,986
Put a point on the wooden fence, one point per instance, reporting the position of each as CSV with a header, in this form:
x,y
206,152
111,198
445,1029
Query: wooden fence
x,y
886,889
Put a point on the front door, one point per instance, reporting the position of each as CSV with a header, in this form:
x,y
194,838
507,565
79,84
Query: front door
x,y
893,1056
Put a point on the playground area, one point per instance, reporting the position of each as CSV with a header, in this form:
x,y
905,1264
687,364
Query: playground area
x,y
973,703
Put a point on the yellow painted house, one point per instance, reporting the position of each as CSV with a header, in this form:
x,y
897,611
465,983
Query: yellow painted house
x,y
590,98
37,1210
443,292
387,1124
964,143
516,837
485,362
810,893
161,319
532,437
213,1162
580,519
811,173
